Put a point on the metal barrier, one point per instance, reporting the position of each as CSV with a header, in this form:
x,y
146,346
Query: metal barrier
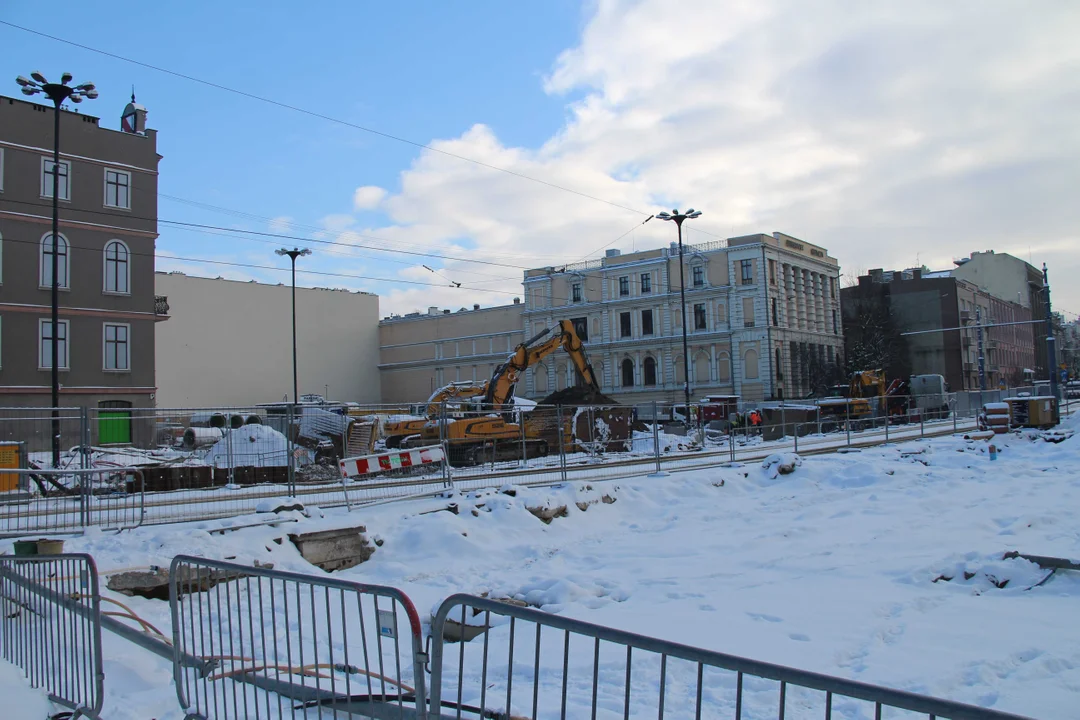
x,y
532,664
50,626
279,639
70,500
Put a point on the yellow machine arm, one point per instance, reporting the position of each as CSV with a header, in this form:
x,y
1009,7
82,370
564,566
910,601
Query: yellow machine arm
x,y
501,386
455,390
862,379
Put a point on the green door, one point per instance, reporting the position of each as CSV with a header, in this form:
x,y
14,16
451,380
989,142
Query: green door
x,y
114,427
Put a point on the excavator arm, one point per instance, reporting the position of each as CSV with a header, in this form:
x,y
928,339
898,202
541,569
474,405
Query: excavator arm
x,y
501,386
454,390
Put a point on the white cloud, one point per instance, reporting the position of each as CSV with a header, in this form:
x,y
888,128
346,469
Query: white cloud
x,y
368,197
281,224
883,131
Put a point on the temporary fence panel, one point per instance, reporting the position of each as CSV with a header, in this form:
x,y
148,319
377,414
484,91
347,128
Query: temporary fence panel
x,y
280,640
32,428
393,474
70,500
522,662
50,627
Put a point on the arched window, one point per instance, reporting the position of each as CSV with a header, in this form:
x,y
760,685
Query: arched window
x,y
540,379
628,373
721,314
751,365
701,369
650,371
596,329
560,376
116,268
723,367
47,260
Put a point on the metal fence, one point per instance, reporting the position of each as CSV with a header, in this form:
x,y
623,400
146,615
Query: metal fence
x,y
212,463
279,641
520,662
50,627
46,501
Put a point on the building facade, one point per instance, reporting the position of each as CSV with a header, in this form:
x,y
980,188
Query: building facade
x,y
421,352
108,225
229,343
1009,278
762,313
945,313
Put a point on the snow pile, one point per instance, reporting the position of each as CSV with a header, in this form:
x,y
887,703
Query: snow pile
x,y
979,573
251,446
781,464
642,442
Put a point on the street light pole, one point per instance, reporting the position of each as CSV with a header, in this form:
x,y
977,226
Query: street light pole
x,y
58,93
678,219
293,254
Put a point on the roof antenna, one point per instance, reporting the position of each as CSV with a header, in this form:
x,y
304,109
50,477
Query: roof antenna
x,y
133,94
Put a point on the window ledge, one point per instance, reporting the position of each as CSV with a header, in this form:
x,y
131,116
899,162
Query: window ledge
x,y
116,372
49,369
61,288
116,207
49,197
115,294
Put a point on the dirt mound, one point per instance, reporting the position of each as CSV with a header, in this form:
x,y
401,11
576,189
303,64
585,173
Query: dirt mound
x,y
578,396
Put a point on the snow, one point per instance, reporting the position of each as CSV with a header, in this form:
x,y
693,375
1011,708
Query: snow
x,y
250,446
884,566
20,700
996,406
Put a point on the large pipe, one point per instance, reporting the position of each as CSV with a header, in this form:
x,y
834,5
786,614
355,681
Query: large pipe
x,y
197,437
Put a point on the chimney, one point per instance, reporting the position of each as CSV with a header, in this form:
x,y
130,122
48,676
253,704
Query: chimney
x,y
433,310
877,275
916,273
446,311
517,301
476,306
613,252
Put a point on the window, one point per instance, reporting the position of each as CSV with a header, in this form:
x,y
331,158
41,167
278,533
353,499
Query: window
x,y
747,269
750,365
772,272
646,322
835,329
699,316
650,371
63,178
624,325
748,312
779,367
775,321
721,314
699,276
575,292
1,169
581,327
45,333
117,189
116,268
47,260
628,373
646,283
723,368
117,355
624,286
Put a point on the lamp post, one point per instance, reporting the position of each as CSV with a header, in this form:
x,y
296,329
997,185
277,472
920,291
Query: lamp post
x,y
58,93
678,218
293,254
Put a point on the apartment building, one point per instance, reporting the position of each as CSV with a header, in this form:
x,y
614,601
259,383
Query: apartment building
x,y
945,312
229,343
762,314
421,352
108,224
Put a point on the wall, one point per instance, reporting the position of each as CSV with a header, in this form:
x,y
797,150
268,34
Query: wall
x,y
230,343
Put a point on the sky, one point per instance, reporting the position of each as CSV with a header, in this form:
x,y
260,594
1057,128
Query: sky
x,y
462,143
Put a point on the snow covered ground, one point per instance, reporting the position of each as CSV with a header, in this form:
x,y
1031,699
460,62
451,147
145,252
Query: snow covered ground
x,y
831,568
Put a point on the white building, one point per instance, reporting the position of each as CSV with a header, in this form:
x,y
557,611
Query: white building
x,y
230,343
761,309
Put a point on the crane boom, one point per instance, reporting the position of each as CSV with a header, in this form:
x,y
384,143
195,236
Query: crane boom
x,y
501,386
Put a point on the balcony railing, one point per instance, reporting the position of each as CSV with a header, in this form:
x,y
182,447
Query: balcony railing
x,y
161,305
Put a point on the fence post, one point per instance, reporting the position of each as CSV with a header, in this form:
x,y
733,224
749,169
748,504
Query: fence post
x,y
887,428
524,446
847,426
656,436
445,443
84,438
562,448
922,422
954,406
229,452
796,437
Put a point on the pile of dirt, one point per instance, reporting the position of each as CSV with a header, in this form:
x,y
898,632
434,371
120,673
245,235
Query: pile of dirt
x,y
578,396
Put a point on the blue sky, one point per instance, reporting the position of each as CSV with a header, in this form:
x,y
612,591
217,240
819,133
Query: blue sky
x,y
892,134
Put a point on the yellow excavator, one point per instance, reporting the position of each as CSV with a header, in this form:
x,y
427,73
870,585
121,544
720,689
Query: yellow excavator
x,y
398,430
492,430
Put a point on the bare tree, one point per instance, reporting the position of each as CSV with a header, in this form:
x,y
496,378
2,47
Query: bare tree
x,y
872,339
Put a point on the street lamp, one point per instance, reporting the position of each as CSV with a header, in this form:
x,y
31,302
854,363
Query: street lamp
x,y
677,217
293,254
58,93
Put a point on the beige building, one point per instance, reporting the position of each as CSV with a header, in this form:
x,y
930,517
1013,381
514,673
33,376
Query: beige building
x,y
229,343
759,309
420,352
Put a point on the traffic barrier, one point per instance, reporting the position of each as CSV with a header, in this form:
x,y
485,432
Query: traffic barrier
x,y
369,464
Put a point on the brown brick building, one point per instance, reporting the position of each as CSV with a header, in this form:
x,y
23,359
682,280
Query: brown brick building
x,y
108,225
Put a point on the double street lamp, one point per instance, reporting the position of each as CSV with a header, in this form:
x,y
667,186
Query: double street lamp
x,y
58,93
678,218
293,254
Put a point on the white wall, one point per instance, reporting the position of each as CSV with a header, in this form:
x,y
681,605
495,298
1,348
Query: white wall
x,y
228,342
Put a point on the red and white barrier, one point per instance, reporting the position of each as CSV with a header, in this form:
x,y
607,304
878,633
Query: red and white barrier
x,y
368,464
